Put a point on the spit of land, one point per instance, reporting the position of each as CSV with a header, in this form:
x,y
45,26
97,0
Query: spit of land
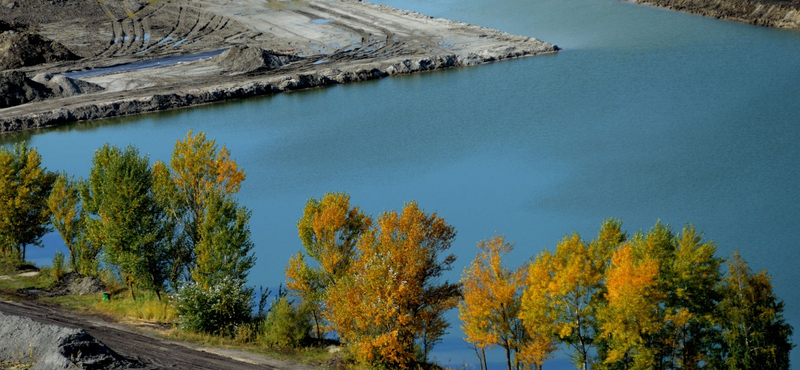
x,y
245,48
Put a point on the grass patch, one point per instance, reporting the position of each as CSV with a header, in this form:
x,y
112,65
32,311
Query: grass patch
x,y
315,355
10,268
145,307
38,282
78,303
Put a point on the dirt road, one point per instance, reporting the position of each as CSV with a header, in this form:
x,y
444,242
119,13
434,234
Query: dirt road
x,y
151,351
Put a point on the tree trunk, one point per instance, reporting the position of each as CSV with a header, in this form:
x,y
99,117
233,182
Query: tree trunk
x,y
508,357
316,325
130,287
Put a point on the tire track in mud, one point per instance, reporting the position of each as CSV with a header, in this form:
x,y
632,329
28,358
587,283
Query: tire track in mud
x,y
372,44
160,27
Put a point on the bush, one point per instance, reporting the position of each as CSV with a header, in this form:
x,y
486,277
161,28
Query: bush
x,y
218,310
58,269
286,325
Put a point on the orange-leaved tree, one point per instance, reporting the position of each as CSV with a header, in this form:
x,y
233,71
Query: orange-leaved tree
x,y
390,302
329,230
491,302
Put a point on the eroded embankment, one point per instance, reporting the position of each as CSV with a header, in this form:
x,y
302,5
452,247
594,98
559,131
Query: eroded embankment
x,y
780,14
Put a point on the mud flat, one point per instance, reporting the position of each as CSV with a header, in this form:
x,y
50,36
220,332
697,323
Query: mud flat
x,y
272,46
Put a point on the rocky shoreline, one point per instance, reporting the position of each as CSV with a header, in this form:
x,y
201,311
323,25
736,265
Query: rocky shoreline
x,y
778,14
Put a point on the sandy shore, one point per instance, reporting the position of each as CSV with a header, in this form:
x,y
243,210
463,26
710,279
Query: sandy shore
x,y
275,46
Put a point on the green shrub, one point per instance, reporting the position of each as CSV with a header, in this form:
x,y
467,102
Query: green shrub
x,y
286,325
58,270
218,310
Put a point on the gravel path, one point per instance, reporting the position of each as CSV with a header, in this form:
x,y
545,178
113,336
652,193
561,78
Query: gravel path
x,y
136,345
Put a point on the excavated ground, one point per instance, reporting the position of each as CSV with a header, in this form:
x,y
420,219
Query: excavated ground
x,y
275,45
770,13
47,337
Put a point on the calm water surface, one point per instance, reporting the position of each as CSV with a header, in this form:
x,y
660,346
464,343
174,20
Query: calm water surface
x,y
646,114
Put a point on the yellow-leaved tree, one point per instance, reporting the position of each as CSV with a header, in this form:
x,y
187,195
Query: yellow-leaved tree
x,y
565,288
491,302
631,314
390,302
24,188
329,230
538,316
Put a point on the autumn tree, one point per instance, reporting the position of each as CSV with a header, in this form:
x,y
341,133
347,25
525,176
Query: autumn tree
x,y
537,314
681,303
631,314
690,278
754,332
576,288
24,188
390,302
329,230
198,171
125,219
491,303
212,251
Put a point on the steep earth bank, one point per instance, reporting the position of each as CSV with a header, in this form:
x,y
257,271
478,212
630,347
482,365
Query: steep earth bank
x,y
770,13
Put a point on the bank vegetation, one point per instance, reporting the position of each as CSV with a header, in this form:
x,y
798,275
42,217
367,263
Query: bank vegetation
x,y
172,244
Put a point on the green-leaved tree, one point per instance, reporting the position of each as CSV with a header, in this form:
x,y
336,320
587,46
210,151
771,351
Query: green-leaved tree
x,y
125,219
755,334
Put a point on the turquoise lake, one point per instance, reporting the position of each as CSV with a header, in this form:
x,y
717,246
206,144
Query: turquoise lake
x,y
646,115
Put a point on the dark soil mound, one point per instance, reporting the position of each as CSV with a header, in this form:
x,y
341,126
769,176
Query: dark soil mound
x,y
75,283
20,49
25,341
15,89
251,58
